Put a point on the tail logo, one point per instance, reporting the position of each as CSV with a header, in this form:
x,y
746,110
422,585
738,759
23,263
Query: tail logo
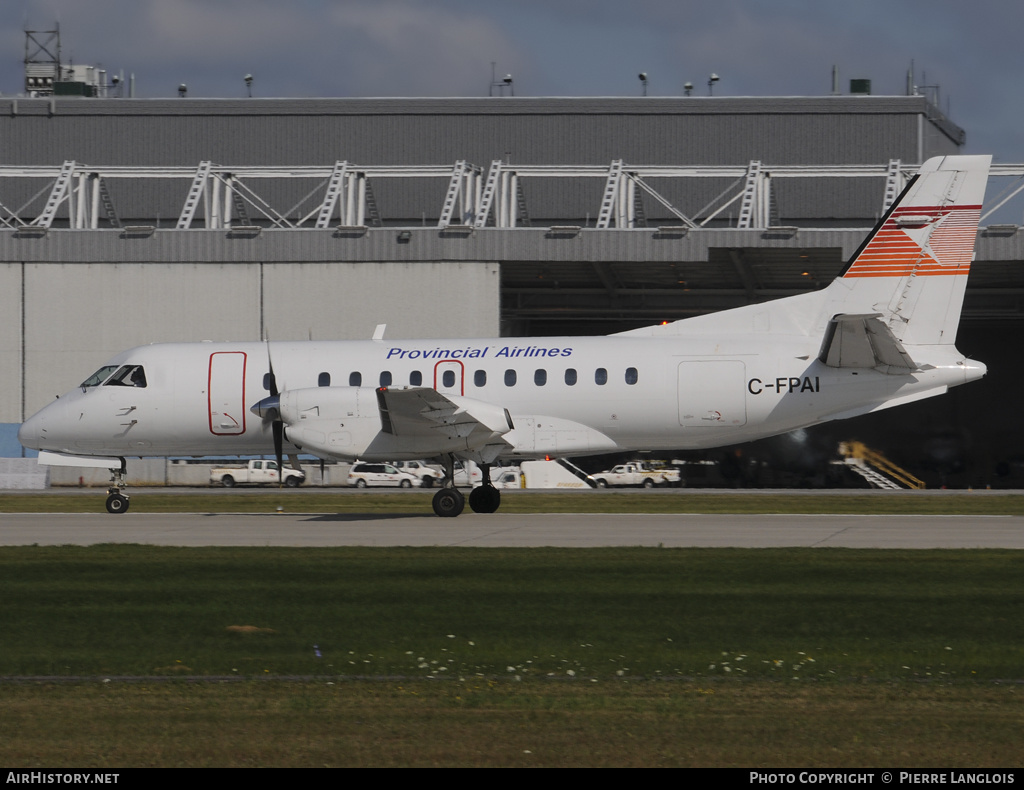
x,y
921,241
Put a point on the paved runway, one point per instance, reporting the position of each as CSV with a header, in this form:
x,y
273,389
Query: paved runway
x,y
470,529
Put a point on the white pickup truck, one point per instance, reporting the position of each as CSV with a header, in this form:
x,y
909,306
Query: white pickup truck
x,y
256,473
636,475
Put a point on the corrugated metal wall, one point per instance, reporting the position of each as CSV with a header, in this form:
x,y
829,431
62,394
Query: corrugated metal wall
x,y
74,316
723,130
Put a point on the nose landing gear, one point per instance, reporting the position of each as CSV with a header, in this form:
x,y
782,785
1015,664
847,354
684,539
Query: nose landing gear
x,y
116,501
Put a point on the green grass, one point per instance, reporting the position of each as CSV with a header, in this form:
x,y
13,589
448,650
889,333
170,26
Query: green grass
x,y
674,501
517,657
443,612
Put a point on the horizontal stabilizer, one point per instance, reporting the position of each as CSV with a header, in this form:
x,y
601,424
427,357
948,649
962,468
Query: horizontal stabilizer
x,y
863,341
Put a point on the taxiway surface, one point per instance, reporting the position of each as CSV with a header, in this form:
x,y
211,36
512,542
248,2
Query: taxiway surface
x,y
513,530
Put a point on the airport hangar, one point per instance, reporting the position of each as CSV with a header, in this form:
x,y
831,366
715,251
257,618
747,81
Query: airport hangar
x,y
130,221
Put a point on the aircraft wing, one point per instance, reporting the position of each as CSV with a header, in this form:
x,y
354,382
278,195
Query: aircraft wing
x,y
864,341
424,412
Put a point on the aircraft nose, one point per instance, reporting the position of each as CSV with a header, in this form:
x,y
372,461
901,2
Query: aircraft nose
x,y
31,432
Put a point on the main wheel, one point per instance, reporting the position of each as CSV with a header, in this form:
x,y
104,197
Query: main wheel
x,y
116,503
228,481
449,502
485,499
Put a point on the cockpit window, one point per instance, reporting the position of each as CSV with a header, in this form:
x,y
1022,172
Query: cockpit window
x,y
128,376
99,376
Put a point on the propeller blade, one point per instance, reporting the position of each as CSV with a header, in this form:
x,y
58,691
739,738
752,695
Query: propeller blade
x,y
270,366
270,408
278,428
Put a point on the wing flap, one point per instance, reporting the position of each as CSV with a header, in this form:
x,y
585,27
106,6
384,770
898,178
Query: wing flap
x,y
424,412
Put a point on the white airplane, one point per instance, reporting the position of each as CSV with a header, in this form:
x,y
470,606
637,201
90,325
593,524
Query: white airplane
x,y
880,335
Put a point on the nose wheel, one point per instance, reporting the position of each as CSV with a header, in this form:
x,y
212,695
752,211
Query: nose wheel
x,y
116,501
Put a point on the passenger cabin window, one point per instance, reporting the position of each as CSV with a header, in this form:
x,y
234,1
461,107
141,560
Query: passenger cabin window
x,y
540,377
480,378
385,378
570,376
601,376
631,376
99,376
324,380
416,379
448,378
128,376
510,378
355,379
268,382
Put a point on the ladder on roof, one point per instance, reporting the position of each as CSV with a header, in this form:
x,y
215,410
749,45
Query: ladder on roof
x,y
487,197
639,217
893,183
454,190
611,193
334,186
372,211
240,211
750,195
523,215
108,204
196,191
57,194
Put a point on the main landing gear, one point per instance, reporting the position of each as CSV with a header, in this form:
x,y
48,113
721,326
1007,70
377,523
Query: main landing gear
x,y
116,501
449,501
486,498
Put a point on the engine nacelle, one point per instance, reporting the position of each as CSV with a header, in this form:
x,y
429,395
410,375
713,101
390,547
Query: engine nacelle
x,y
337,422
345,423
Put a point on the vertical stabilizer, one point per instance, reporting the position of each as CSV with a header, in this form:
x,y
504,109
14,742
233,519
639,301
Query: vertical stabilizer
x,y
912,270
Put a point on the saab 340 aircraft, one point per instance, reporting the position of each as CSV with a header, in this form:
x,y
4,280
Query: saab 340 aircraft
x,y
882,334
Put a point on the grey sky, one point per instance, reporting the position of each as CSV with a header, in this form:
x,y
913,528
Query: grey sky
x,y
551,47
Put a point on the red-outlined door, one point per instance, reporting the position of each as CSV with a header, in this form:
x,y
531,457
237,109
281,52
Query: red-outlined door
x,y
226,393
449,377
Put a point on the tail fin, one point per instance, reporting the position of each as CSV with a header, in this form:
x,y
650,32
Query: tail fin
x,y
903,287
912,270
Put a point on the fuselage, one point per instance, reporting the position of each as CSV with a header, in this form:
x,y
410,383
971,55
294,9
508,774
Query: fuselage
x,y
565,395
